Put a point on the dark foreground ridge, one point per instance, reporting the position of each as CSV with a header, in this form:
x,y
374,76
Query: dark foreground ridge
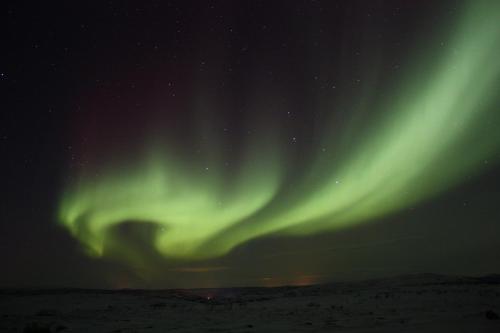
x,y
413,303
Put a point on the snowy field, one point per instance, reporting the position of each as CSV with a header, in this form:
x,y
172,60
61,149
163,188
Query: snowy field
x,y
420,303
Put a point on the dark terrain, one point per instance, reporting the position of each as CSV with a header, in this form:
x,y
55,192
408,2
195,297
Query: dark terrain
x,y
418,303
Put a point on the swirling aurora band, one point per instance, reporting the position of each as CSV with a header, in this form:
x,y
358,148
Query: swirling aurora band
x,y
437,131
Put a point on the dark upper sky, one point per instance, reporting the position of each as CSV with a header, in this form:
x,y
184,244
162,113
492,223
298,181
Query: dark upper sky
x,y
255,90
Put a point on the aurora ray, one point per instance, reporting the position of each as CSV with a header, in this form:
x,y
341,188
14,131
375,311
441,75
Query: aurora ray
x,y
436,130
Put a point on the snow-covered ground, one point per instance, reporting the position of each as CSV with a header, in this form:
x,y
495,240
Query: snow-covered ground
x,y
420,303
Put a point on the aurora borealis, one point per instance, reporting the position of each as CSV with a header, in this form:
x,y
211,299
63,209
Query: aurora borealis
x,y
435,129
183,143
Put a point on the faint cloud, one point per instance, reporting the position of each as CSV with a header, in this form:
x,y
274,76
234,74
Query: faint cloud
x,y
388,242
205,269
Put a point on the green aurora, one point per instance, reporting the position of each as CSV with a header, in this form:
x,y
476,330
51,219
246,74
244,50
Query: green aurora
x,y
437,130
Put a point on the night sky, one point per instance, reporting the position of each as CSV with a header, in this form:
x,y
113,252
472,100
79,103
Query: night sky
x,y
157,144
